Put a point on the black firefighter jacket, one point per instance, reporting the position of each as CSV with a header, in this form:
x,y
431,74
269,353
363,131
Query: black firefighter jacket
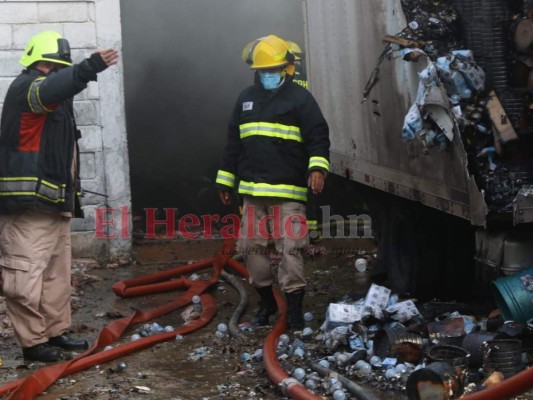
x,y
38,140
274,140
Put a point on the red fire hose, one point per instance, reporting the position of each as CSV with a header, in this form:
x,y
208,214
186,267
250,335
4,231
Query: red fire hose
x,y
507,389
40,380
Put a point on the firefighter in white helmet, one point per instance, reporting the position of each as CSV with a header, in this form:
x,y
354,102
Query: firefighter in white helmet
x,y
277,148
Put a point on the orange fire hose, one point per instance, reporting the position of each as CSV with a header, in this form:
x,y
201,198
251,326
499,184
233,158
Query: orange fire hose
x,y
40,380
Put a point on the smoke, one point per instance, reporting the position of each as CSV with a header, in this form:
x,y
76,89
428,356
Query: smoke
x,y
183,73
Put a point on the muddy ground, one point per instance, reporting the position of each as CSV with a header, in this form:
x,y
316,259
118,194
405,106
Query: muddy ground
x,y
199,366
167,369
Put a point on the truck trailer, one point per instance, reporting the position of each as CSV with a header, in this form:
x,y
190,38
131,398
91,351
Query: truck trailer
x,y
449,216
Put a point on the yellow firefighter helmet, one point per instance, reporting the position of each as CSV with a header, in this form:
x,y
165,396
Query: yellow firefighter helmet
x,y
47,46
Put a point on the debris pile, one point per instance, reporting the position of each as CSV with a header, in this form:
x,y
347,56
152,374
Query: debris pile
x,y
385,342
457,96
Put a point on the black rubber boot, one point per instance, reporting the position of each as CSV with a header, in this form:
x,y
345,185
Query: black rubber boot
x,y
68,343
267,306
41,352
294,305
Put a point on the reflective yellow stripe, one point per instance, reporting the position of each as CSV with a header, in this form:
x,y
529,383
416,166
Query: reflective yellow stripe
x,y
319,162
52,185
19,178
60,200
225,178
279,131
34,99
26,186
267,190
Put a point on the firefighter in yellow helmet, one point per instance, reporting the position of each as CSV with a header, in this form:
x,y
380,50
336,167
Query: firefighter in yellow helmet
x,y
39,182
300,75
277,148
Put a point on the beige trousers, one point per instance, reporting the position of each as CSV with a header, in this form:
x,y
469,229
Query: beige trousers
x,y
284,223
35,256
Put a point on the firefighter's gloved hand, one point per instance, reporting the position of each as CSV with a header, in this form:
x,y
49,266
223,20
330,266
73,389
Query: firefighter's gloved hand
x,y
103,59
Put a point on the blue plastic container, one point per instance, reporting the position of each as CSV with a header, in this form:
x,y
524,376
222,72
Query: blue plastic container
x,y
514,295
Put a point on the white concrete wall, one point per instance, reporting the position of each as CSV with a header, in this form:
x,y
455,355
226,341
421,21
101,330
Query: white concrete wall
x,y
88,25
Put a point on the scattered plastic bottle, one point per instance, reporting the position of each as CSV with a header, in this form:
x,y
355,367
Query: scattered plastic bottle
x,y
375,361
169,328
283,344
258,355
220,335
335,385
135,337
324,363
179,337
121,366
391,373
222,327
308,317
299,352
156,328
365,368
146,330
245,357
197,306
361,264
339,395
310,384
456,105
299,374
466,93
283,339
108,348
307,333
401,368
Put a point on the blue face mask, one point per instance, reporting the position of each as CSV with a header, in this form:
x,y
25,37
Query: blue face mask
x,y
270,80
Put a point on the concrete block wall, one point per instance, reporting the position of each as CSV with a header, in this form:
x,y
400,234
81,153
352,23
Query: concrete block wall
x,y
100,115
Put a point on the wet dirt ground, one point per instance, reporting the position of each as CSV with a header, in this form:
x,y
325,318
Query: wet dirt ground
x,y
200,366
178,369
